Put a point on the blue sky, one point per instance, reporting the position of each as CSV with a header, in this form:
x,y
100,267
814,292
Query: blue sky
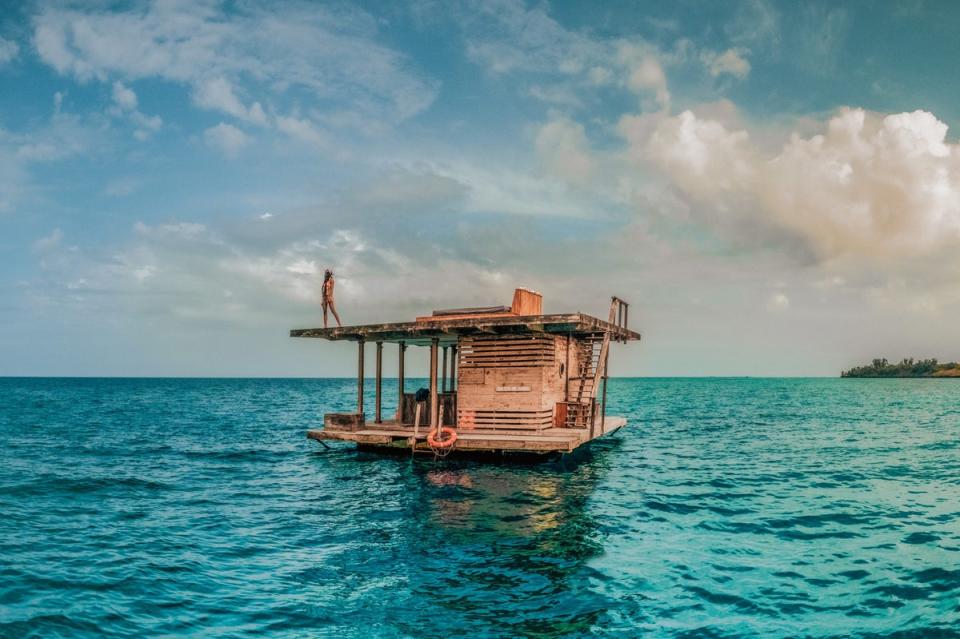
x,y
774,186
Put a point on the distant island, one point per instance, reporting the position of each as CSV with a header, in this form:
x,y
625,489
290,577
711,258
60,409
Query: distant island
x,y
906,368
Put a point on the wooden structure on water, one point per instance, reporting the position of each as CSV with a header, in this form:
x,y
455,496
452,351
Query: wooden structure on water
x,y
504,379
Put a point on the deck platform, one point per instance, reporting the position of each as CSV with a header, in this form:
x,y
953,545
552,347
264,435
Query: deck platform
x,y
389,434
448,329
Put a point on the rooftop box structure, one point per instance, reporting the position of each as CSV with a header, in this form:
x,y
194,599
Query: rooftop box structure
x,y
502,379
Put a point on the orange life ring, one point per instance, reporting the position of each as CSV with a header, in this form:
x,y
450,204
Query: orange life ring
x,y
442,443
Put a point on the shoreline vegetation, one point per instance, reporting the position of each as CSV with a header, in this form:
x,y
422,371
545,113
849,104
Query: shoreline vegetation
x,y
907,368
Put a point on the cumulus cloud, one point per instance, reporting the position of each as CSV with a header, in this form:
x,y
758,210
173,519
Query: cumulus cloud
x,y
226,138
869,184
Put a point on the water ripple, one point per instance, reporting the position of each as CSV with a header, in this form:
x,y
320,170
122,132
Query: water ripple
x,y
728,508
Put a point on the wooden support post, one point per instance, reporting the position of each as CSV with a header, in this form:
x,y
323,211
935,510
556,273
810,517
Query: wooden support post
x,y
434,404
403,348
443,374
453,383
378,387
603,405
360,376
566,373
453,368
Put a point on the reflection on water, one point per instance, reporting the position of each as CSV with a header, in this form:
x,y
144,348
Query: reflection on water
x,y
508,545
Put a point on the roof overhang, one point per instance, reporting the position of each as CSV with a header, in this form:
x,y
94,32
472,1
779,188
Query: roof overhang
x,y
449,330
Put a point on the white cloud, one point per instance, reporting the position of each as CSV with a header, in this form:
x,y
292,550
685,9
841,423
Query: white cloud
x,y
61,137
644,72
732,62
217,94
556,94
48,242
303,130
8,51
226,138
510,37
561,145
125,105
124,97
868,185
331,55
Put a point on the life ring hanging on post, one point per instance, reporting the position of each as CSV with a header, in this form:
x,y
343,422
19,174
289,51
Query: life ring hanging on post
x,y
435,438
444,442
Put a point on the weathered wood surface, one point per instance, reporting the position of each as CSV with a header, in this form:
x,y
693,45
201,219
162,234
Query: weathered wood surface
x,y
391,435
527,302
343,421
448,331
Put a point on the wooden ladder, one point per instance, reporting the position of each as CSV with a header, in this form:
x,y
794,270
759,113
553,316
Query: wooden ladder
x,y
593,365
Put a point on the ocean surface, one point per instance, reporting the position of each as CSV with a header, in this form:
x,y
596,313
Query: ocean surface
x,y
726,508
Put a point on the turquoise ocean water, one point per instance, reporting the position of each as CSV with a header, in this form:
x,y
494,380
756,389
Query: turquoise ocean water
x,y
727,508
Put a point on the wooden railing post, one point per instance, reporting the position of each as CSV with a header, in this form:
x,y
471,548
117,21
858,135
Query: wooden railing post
x,y
378,385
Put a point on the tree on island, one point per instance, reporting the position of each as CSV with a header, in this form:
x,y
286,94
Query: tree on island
x,y
906,368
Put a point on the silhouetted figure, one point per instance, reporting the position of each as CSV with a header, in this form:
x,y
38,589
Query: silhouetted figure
x,y
326,294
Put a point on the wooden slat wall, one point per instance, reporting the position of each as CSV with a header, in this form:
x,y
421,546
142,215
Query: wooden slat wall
x,y
506,351
504,419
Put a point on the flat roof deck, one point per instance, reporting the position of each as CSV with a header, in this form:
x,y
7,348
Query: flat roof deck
x,y
447,331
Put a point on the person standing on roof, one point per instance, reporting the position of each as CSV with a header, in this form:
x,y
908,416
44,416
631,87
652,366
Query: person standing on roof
x,y
326,297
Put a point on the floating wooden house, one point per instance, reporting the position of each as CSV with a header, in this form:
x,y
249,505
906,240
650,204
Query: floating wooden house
x,y
504,379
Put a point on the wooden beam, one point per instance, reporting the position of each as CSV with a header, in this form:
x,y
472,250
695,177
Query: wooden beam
x,y
378,388
434,404
402,351
360,376
443,374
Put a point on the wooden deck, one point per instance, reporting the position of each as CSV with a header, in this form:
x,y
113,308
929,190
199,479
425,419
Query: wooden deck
x,y
398,436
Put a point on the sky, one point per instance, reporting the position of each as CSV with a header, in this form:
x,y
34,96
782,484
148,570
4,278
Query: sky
x,y
773,186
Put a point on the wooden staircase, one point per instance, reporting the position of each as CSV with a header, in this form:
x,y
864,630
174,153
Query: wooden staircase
x,y
593,356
